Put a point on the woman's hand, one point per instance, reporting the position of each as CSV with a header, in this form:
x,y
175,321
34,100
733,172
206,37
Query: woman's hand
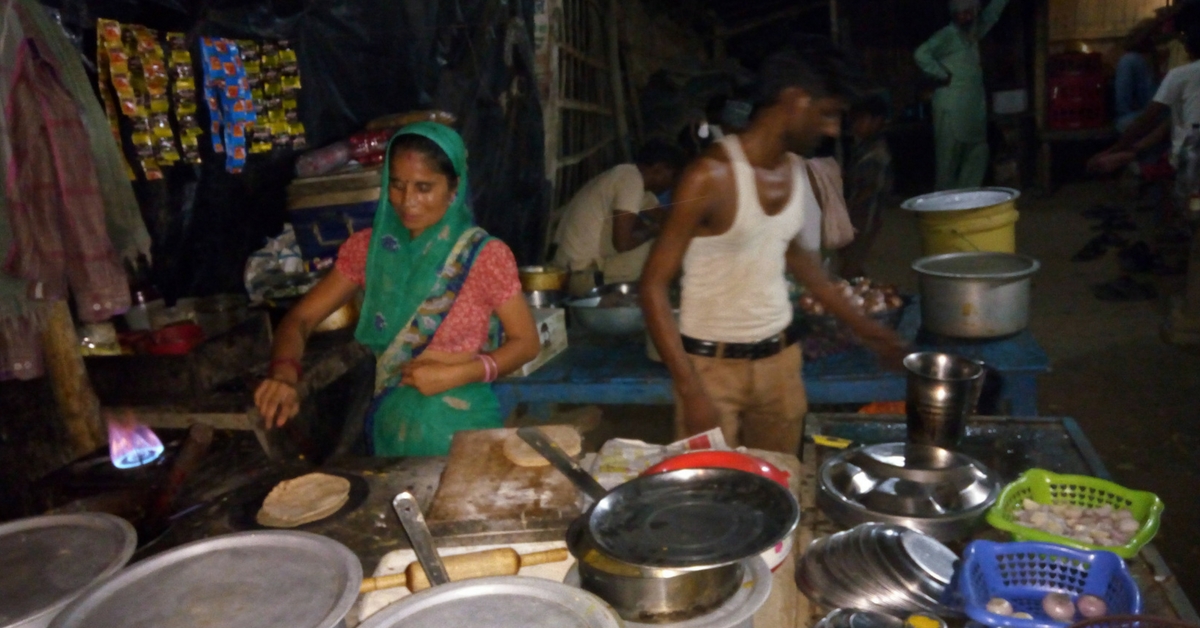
x,y
431,377
277,401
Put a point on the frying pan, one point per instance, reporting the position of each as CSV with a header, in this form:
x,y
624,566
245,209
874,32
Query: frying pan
x,y
687,519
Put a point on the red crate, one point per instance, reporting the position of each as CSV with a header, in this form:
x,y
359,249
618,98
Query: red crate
x,y
1077,100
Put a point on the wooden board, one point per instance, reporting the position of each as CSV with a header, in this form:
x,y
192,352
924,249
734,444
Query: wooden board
x,y
481,492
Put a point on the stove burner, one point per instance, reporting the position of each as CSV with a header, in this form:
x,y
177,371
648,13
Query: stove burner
x,y
131,444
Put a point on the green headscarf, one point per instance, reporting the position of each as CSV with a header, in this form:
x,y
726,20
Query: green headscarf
x,y
401,271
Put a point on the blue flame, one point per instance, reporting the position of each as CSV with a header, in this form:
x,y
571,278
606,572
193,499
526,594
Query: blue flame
x,y
132,446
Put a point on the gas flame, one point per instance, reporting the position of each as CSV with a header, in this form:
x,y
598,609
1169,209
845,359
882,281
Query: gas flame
x,y
131,444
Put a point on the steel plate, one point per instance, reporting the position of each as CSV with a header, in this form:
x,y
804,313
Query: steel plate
x,y
958,200
49,560
498,602
270,579
693,518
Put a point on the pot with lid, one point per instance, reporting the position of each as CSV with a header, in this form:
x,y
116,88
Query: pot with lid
x,y
670,546
51,559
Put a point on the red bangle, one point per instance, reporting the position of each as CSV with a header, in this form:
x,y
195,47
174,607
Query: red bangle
x,y
293,362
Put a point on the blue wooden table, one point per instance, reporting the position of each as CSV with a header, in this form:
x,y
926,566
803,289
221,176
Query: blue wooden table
x,y
616,371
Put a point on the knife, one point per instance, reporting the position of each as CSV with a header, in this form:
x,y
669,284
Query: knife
x,y
561,461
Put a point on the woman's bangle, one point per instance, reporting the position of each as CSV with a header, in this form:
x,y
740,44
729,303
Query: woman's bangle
x,y
490,369
292,362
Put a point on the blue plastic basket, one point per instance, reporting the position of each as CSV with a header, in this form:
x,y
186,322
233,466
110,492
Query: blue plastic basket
x,y
1023,573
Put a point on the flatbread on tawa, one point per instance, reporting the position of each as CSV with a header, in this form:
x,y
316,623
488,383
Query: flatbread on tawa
x,y
303,500
521,454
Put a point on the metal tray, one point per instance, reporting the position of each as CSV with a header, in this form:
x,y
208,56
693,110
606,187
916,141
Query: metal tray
x,y
499,602
275,579
49,560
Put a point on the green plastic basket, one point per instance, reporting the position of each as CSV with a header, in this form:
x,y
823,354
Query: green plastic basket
x,y
1045,487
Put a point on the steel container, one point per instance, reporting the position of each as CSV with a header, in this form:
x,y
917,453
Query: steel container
x,y
942,391
736,612
975,295
50,560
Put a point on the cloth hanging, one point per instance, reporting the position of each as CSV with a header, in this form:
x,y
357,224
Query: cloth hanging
x,y
122,215
826,177
55,209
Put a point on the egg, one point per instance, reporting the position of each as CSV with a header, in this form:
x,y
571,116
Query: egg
x,y
1058,606
999,606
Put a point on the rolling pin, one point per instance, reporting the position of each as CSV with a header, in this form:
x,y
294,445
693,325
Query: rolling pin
x,y
503,561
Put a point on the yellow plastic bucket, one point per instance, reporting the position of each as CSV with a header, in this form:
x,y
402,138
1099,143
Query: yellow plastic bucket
x,y
978,219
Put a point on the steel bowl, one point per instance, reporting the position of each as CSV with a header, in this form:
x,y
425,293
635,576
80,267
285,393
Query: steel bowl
x,y
610,321
543,298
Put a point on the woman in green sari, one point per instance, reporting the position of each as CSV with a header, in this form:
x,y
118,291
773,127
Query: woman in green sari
x,y
440,295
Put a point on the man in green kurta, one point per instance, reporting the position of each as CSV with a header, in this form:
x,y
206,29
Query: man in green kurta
x,y
960,105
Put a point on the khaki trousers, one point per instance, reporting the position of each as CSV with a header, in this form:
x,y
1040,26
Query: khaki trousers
x,y
760,403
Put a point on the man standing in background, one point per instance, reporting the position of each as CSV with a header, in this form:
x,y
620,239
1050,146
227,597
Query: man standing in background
x,y
609,223
960,104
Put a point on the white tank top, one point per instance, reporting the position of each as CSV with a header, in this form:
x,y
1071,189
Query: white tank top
x,y
734,288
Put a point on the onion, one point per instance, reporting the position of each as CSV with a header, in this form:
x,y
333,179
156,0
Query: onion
x,y
999,606
1058,607
1091,606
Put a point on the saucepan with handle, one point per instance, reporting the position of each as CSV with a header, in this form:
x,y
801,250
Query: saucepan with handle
x,y
668,547
495,601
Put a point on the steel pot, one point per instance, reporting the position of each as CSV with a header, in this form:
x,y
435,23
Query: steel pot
x,y
975,295
542,278
646,594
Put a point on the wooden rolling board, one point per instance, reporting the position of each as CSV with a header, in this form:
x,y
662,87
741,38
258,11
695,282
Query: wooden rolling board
x,y
482,494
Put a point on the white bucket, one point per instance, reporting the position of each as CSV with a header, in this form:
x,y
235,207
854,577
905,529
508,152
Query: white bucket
x,y
737,612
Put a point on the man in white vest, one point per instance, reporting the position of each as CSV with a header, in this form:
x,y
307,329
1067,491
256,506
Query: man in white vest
x,y
743,215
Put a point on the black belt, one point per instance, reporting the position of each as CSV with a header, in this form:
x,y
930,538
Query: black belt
x,y
743,350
